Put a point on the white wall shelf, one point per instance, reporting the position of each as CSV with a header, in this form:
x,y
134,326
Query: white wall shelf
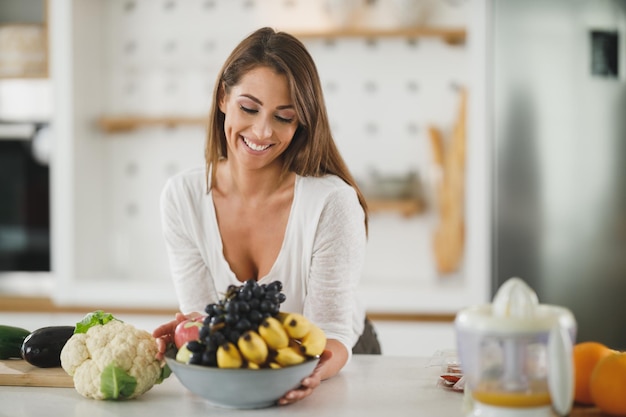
x,y
405,206
125,123
452,36
24,40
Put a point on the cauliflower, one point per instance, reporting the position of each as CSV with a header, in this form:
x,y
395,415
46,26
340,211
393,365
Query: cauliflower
x,y
111,360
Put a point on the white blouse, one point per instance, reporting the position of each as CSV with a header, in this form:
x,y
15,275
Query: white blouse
x,y
320,261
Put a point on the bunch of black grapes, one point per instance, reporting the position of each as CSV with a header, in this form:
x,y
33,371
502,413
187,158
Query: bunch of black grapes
x,y
243,308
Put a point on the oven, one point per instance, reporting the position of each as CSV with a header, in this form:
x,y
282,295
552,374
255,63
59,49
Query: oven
x,y
24,198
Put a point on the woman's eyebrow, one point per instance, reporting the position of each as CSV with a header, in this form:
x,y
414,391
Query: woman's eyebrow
x,y
259,102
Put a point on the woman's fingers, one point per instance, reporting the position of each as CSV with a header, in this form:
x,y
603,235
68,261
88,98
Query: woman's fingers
x,y
295,395
167,329
164,334
161,347
311,382
308,385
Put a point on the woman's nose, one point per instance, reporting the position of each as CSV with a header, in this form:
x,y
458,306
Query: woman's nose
x,y
263,128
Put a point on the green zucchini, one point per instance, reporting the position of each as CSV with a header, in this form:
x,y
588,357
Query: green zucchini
x,y
42,348
11,339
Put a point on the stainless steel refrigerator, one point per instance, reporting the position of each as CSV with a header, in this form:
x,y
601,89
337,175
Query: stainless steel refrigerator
x,y
558,124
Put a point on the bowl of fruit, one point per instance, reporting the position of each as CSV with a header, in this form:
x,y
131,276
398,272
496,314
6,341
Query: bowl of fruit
x,y
245,352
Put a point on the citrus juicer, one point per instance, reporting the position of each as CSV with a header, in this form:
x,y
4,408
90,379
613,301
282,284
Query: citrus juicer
x,y
516,355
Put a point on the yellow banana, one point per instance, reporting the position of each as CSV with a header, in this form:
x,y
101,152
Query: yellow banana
x,y
289,355
274,334
183,355
253,347
275,365
296,325
252,365
228,356
314,342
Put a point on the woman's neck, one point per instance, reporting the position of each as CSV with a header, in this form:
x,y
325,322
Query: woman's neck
x,y
250,184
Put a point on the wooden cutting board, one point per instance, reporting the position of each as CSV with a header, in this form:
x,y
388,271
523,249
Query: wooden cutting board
x,y
17,372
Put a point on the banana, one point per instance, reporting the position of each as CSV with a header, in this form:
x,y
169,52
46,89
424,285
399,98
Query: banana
x,y
296,325
252,365
183,355
253,347
228,356
274,334
274,365
314,342
290,355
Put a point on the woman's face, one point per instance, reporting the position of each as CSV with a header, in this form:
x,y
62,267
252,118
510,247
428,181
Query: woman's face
x,y
260,119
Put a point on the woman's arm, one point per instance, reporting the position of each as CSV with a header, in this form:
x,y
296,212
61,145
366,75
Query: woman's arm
x,y
332,360
338,256
189,271
336,268
179,222
336,361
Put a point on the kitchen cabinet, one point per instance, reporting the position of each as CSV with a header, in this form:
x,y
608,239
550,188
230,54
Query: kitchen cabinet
x,y
415,338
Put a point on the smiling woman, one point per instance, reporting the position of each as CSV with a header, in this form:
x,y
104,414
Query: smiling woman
x,y
275,201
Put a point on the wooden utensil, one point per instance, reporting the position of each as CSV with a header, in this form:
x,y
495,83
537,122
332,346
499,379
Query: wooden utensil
x,y
449,237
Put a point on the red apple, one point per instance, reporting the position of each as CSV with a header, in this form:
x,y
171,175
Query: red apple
x,y
187,330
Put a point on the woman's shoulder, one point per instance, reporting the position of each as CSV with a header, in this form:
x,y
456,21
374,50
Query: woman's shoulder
x,y
333,202
189,179
186,186
327,184
329,189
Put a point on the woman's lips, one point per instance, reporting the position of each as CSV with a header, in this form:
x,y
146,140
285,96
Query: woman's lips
x,y
253,146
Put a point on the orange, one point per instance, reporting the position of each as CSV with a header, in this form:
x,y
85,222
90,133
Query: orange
x,y
608,384
586,356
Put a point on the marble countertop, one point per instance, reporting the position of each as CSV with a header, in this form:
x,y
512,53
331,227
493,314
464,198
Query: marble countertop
x,y
368,386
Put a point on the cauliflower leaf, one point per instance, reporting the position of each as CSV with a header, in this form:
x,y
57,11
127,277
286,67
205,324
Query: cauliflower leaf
x,y
95,318
116,383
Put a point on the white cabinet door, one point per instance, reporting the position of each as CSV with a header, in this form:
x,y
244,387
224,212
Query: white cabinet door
x,y
425,339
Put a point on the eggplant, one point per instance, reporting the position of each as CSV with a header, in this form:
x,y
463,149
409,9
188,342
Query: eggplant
x,y
42,348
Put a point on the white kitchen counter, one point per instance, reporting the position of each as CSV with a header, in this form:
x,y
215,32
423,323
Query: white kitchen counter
x,y
368,386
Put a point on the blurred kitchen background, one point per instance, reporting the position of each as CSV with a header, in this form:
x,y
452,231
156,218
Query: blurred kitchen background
x,y
102,100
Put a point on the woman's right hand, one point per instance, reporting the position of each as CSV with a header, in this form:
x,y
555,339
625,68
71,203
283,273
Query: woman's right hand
x,y
164,334
308,384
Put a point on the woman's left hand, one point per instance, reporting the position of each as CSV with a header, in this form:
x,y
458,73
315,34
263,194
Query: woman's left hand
x,y
308,384
164,334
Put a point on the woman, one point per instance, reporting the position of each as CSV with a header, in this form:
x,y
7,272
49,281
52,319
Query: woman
x,y
275,201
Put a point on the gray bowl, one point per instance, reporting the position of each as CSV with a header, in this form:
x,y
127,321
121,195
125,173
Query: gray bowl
x,y
240,388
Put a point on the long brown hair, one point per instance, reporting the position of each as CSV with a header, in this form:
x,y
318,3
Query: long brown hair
x,y
312,151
